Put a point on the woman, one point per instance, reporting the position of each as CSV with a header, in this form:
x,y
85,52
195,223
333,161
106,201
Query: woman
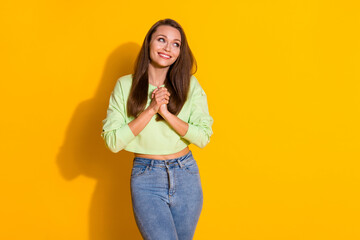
x,y
156,113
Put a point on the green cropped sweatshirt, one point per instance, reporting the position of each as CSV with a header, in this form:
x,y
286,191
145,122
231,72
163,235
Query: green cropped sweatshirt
x,y
157,138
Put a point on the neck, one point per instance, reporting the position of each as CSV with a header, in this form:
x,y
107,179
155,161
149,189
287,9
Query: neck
x,y
157,75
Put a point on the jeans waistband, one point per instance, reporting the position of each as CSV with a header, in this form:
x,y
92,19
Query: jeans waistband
x,y
164,163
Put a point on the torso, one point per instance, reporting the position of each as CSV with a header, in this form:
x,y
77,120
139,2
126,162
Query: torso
x,y
164,157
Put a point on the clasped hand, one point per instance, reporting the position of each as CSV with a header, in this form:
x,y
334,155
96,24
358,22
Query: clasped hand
x,y
159,100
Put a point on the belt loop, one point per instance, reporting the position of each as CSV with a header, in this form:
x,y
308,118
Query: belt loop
x,y
151,164
179,162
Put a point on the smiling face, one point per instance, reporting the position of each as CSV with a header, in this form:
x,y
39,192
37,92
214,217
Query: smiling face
x,y
164,46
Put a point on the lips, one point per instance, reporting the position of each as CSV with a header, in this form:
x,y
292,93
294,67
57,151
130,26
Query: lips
x,y
165,56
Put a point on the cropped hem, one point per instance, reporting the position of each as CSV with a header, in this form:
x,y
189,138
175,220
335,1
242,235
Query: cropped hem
x,y
144,151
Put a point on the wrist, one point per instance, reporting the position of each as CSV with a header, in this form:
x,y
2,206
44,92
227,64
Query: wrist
x,y
150,111
165,113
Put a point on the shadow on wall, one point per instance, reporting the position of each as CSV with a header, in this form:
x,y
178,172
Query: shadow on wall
x,y
84,153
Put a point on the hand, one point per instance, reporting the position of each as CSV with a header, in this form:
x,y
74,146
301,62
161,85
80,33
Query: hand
x,y
160,96
163,109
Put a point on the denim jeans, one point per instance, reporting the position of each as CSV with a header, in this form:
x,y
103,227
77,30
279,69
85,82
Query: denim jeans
x,y
167,197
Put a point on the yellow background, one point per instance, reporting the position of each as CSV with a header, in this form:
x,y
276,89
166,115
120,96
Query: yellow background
x,y
282,79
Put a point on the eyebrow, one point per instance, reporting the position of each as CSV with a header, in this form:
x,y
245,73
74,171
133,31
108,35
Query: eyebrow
x,y
167,37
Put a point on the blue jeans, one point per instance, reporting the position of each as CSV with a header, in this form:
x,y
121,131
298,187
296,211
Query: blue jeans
x,y
167,197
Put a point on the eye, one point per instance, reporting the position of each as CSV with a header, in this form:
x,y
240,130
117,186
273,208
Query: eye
x,y
176,45
161,40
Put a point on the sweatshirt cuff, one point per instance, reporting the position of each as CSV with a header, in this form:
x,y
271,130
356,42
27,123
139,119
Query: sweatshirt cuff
x,y
126,135
190,134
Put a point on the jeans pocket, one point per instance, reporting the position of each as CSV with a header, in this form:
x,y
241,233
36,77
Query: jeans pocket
x,y
139,170
192,167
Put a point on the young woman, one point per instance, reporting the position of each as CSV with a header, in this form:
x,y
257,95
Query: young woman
x,y
156,113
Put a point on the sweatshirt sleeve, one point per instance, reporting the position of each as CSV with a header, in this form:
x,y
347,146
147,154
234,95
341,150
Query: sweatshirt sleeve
x,y
200,121
116,132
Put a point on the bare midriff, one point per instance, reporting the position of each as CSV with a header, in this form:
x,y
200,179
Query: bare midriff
x,y
164,157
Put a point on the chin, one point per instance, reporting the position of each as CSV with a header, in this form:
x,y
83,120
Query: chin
x,y
161,65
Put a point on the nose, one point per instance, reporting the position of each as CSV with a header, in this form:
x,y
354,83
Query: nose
x,y
167,47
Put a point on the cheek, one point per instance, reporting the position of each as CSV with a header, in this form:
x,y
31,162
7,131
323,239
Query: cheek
x,y
151,54
154,47
176,52
153,51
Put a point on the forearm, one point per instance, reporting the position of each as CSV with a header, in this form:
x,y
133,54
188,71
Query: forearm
x,y
139,123
176,123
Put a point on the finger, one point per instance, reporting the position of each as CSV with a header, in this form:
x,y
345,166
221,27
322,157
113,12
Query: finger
x,y
164,101
160,95
156,89
160,100
165,89
154,92
167,93
166,98
160,91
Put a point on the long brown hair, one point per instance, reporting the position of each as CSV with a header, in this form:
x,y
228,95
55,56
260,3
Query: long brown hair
x,y
177,79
